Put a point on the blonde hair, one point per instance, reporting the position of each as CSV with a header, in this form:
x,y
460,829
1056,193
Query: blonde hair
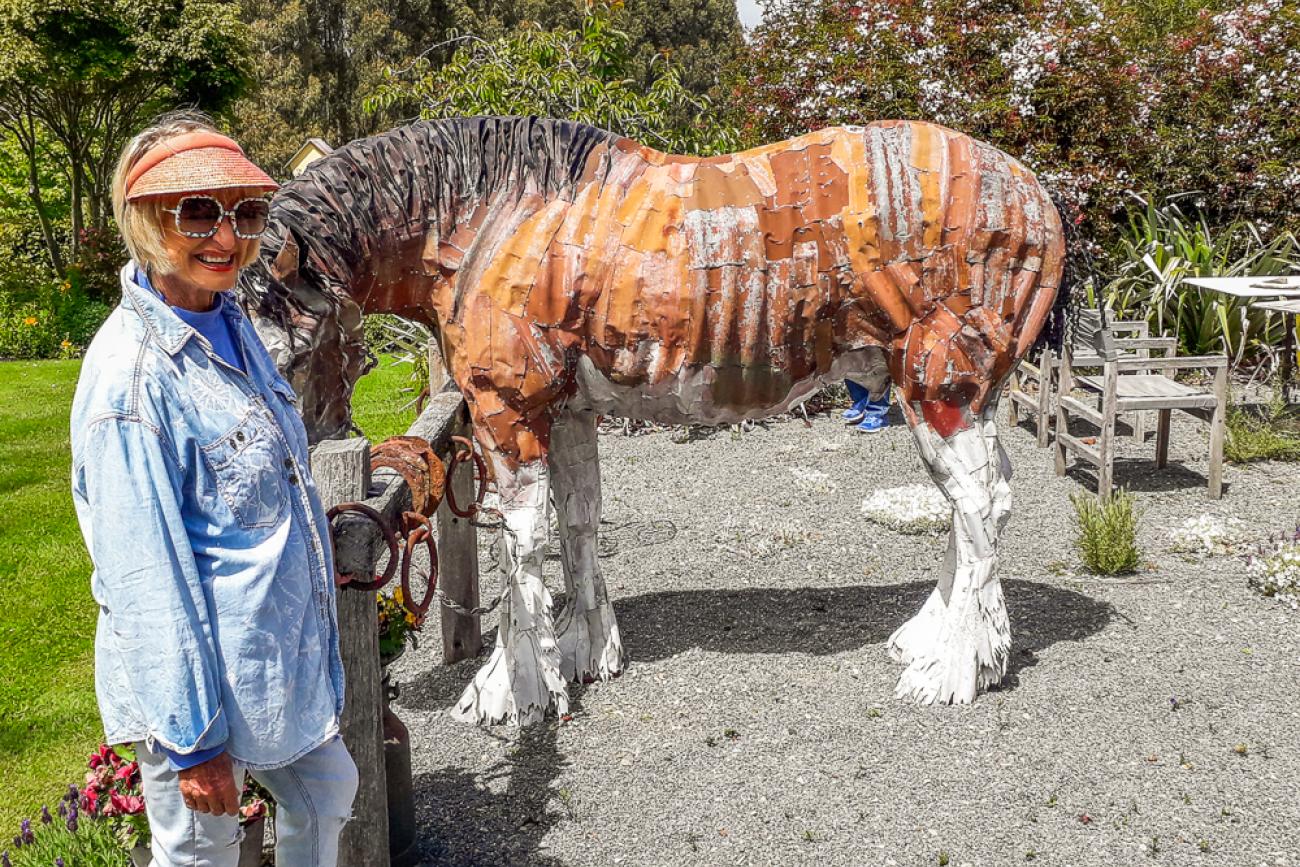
x,y
141,222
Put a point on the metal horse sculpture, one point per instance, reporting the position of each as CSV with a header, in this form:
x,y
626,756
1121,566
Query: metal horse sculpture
x,y
569,272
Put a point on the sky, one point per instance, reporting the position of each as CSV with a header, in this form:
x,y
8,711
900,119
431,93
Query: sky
x,y
750,14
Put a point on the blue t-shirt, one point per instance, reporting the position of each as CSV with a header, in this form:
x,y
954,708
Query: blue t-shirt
x,y
210,323
213,326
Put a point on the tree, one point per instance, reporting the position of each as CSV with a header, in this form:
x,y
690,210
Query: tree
x,y
316,59
585,75
319,60
87,74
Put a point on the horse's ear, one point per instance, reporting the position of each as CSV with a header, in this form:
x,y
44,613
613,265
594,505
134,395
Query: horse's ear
x,y
285,266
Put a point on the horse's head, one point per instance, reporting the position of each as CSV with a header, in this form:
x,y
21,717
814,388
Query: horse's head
x,y
313,330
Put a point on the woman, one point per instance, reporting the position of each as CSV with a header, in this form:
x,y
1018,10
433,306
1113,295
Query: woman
x,y
217,646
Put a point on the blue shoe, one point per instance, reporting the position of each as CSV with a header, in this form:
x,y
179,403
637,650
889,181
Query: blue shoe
x,y
872,422
877,407
854,414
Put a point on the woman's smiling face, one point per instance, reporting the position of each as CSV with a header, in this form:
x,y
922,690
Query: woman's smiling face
x,y
207,264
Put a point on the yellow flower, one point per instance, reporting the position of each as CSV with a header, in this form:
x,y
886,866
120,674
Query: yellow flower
x,y
30,320
65,344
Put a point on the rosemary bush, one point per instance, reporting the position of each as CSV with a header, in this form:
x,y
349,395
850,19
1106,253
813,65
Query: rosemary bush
x,y
1107,541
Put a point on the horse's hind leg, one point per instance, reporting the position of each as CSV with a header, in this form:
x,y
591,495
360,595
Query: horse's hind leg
x,y
589,641
522,677
959,643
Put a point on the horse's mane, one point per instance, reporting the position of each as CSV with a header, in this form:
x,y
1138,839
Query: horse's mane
x,y
376,192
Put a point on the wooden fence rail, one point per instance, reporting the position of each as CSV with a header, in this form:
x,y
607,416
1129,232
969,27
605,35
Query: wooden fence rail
x,y
341,469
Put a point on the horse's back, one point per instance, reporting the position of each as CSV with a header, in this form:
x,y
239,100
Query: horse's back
x,y
736,283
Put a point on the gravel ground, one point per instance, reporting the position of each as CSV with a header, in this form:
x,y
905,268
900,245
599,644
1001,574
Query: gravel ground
x,y
756,722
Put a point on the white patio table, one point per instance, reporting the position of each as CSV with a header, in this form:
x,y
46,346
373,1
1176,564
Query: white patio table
x,y
1278,294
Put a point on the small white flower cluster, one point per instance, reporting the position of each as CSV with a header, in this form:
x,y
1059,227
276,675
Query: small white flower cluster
x,y
1275,570
1207,534
912,509
1029,58
812,481
752,539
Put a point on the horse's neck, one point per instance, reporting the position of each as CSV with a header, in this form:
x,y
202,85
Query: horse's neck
x,y
454,184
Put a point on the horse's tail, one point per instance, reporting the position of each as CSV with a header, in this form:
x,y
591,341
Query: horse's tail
x,y
1080,269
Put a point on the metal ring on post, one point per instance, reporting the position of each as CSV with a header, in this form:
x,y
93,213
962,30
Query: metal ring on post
x,y
390,537
421,525
459,457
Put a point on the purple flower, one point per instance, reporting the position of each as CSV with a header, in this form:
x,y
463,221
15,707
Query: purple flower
x,y
28,836
58,862
73,793
72,822
18,842
63,809
46,818
4,859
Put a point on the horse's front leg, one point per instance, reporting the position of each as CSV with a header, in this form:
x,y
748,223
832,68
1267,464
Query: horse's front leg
x,y
959,643
522,677
589,641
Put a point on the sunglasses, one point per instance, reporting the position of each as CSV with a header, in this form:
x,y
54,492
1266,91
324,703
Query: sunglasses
x,y
201,216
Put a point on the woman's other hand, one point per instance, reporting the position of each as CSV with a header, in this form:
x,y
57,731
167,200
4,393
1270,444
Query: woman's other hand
x,y
210,787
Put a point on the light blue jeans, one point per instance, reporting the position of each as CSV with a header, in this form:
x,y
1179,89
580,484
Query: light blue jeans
x,y
313,799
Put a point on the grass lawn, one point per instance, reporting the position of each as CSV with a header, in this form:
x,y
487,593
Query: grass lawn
x,y
48,719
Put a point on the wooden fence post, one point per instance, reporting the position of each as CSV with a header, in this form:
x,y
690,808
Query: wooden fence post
x,y
437,370
341,469
458,566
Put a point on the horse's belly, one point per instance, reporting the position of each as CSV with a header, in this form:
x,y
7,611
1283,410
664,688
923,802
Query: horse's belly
x,y
703,394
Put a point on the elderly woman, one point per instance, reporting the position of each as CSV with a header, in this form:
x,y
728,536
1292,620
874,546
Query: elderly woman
x,y
217,648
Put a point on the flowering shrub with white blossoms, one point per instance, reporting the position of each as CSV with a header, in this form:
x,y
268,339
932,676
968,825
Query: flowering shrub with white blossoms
x,y
916,510
1098,97
1274,570
1207,534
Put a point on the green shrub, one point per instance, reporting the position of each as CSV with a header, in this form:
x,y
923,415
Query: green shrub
x,y
28,331
1107,541
586,74
1269,433
96,272
45,318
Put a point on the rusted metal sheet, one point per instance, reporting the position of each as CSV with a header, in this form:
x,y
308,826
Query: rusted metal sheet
x,y
561,263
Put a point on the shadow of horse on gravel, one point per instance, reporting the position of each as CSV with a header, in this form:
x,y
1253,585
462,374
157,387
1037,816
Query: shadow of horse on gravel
x,y
820,621
836,619
508,826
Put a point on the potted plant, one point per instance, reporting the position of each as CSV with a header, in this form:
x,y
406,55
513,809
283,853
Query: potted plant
x,y
397,626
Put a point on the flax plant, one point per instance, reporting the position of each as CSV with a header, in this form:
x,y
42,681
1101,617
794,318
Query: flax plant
x,y
1164,245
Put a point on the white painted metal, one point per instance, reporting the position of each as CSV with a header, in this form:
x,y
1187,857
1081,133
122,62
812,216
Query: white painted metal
x,y
522,677
958,645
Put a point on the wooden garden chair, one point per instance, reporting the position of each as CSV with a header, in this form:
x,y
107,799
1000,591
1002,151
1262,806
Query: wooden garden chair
x,y
1136,342
1126,384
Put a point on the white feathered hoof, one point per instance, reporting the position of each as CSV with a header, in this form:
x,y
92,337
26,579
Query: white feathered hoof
x,y
591,648
919,634
956,652
512,689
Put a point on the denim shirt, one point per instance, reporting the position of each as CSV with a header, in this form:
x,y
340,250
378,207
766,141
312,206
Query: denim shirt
x,y
213,567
